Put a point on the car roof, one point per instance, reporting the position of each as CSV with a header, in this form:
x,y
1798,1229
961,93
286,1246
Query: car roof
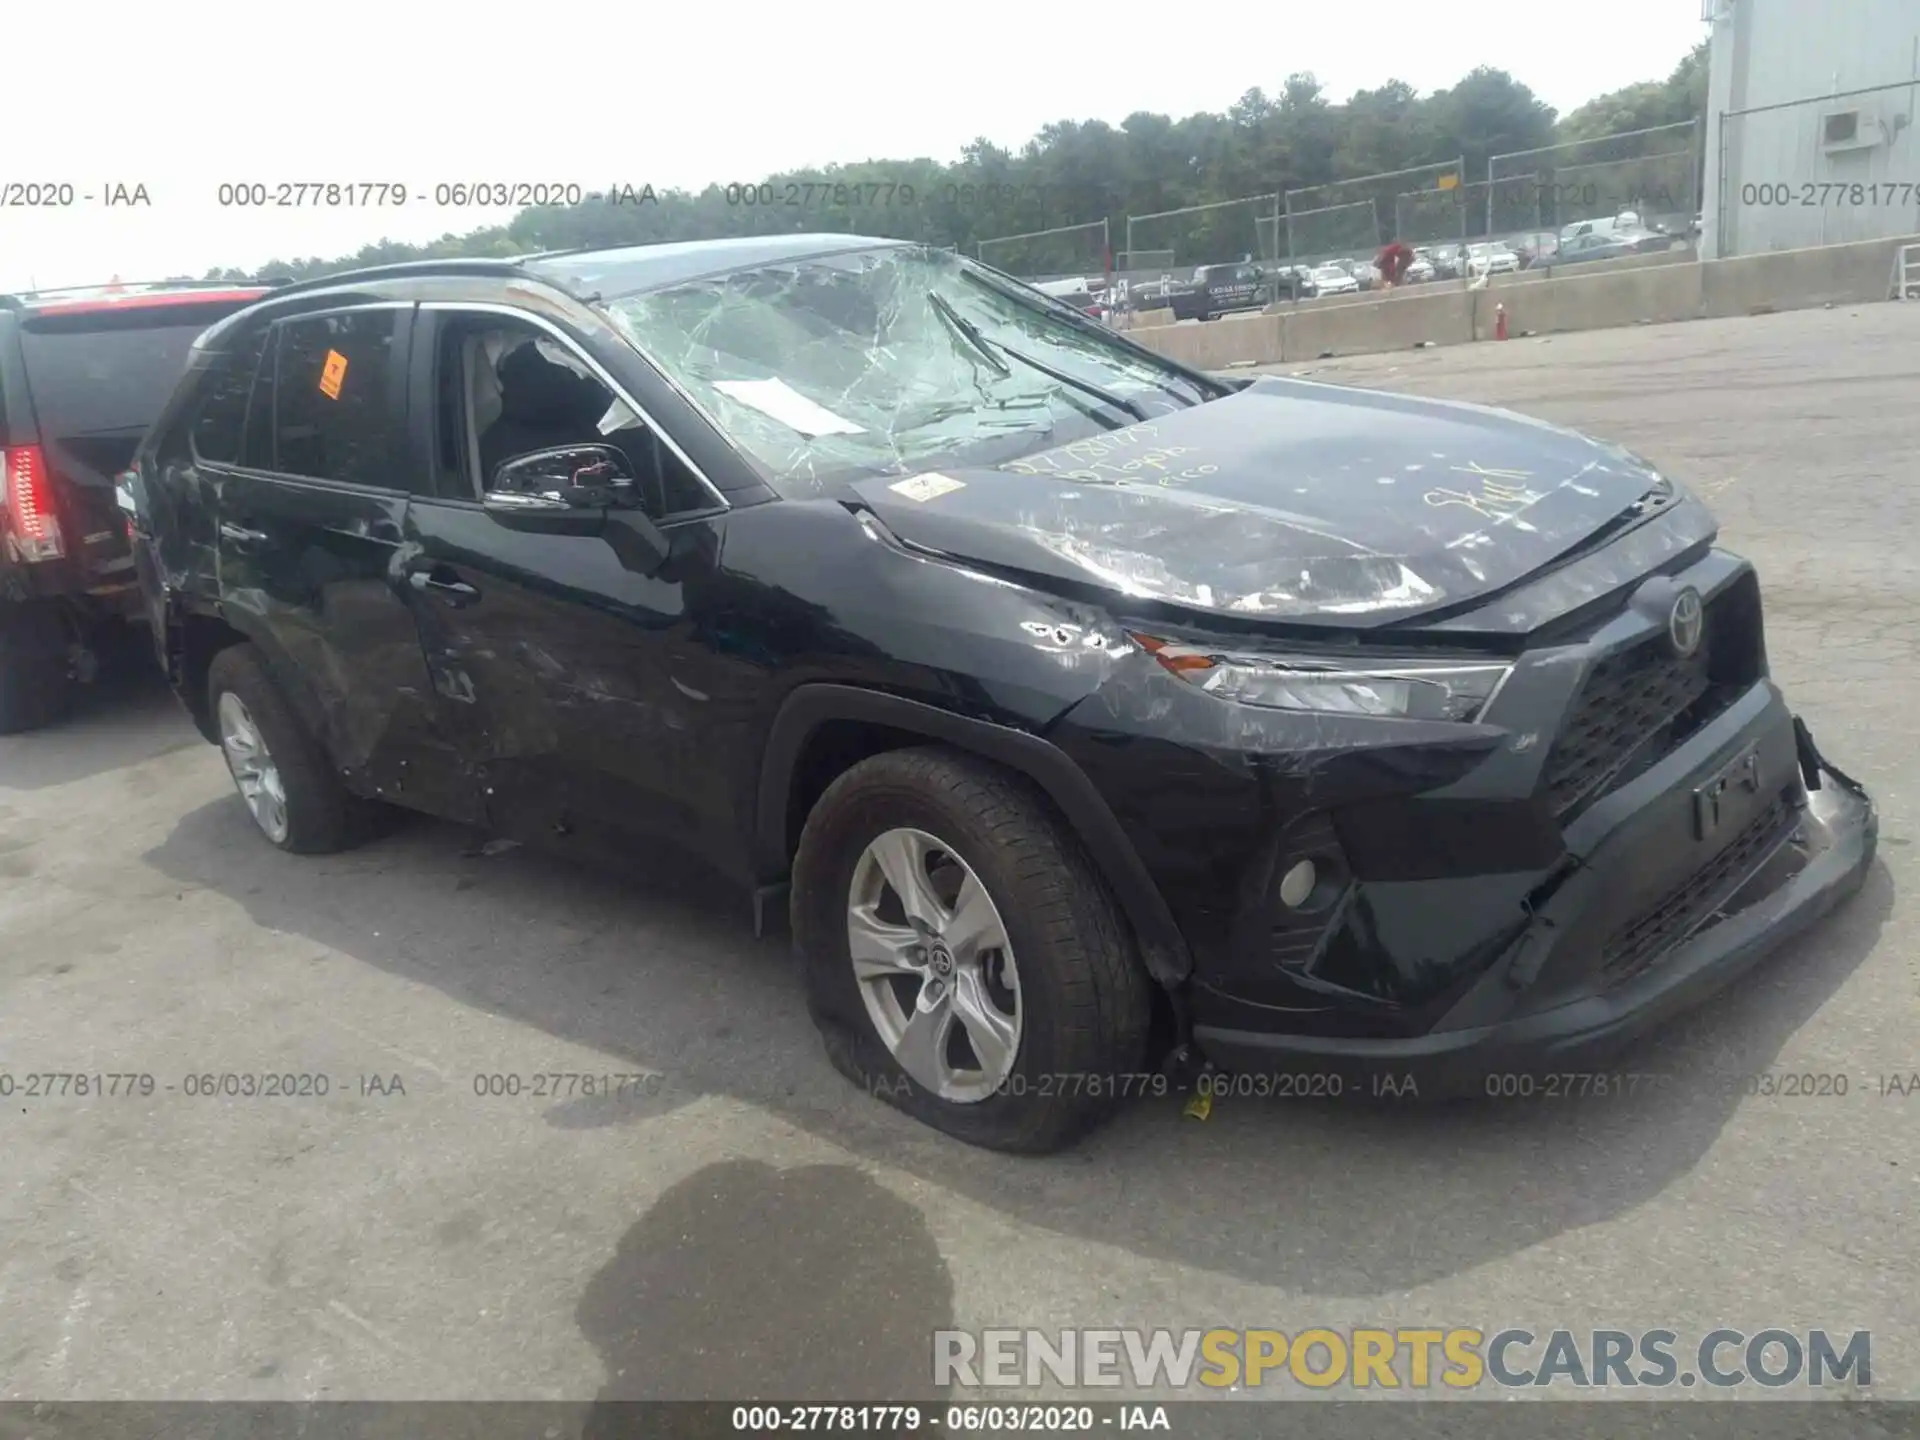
x,y
632,269
599,272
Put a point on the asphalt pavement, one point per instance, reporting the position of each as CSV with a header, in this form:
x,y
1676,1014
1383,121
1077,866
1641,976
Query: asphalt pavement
x,y
739,1220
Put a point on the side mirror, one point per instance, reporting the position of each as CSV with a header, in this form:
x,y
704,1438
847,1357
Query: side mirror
x,y
564,491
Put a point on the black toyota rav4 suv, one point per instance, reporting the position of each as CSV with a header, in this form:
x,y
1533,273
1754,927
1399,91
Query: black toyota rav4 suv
x,y
1095,717
83,372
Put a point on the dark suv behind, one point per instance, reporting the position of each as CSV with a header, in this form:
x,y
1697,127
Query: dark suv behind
x,y
1087,710
82,375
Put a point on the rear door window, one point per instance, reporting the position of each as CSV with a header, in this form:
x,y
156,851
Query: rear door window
x,y
339,404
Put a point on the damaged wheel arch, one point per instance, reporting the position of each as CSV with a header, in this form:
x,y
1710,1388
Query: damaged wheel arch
x,y
811,708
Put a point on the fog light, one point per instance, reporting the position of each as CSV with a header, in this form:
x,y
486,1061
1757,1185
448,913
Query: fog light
x,y
1296,886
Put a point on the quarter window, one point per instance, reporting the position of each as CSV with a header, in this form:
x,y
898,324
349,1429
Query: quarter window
x,y
338,407
220,426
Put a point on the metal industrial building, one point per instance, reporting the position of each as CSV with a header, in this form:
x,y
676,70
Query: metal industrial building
x,y
1810,107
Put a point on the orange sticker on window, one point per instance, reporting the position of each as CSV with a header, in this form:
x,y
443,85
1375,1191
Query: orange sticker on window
x,y
333,374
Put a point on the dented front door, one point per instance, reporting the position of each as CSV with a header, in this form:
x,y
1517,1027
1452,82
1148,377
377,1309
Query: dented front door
x,y
551,665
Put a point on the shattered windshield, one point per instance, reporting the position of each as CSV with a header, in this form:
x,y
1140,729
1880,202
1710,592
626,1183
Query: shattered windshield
x,y
889,362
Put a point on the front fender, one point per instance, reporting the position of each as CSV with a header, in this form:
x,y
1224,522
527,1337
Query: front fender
x,y
810,706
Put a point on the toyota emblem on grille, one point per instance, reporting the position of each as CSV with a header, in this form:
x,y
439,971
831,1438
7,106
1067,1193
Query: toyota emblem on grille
x,y
1685,623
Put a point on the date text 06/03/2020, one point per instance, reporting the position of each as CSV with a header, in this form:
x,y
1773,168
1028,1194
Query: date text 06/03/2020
x,y
909,1419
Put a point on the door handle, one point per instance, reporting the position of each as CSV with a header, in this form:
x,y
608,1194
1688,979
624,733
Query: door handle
x,y
442,586
241,536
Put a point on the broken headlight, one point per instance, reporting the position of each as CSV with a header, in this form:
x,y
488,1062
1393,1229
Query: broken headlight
x,y
1405,689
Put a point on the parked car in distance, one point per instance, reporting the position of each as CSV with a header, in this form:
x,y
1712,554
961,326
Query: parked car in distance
x,y
1086,296
1283,281
1492,258
1148,294
1604,225
1419,270
1332,279
1447,261
1612,244
1085,715
1536,248
82,374
1217,290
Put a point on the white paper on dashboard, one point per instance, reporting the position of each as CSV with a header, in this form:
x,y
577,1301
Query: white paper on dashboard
x,y
788,406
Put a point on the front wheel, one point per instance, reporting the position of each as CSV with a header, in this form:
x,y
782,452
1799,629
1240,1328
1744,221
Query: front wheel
x,y
963,959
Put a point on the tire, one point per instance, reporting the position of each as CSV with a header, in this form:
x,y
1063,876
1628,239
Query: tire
x,y
36,682
319,815
1084,1001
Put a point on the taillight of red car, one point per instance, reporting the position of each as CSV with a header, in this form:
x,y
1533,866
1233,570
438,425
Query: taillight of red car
x,y
29,519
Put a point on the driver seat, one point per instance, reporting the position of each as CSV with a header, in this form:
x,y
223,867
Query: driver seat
x,y
542,405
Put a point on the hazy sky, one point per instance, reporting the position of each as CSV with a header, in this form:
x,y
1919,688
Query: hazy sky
x,y
593,91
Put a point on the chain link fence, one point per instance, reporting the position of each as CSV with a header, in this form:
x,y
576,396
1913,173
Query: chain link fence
x,y
1363,213
1062,253
1214,234
1436,217
1653,173
1823,170
1333,232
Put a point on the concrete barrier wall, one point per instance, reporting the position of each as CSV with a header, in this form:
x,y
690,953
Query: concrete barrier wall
x,y
1590,302
1442,315
1391,322
1215,344
1794,279
1683,256
1594,295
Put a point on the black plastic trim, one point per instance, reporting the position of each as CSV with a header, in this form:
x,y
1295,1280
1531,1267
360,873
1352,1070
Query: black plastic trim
x,y
809,706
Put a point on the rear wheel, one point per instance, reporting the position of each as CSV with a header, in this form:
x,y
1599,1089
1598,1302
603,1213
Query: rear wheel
x,y
963,959
280,770
36,683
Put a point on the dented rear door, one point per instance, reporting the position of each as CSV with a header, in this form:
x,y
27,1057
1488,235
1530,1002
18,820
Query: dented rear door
x,y
310,529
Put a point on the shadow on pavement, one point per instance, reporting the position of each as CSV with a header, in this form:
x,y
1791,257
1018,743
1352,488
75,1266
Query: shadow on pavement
x,y
659,971
125,716
814,1283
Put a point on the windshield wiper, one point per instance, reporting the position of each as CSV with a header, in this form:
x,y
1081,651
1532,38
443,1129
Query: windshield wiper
x,y
968,331
1063,314
980,342
1087,387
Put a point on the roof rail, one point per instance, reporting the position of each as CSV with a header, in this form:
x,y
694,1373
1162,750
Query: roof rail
x,y
406,269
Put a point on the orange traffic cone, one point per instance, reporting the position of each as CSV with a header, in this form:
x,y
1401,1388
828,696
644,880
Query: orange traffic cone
x,y
1499,322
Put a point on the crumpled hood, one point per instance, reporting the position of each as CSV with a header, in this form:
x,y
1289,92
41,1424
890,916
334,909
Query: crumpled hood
x,y
1289,500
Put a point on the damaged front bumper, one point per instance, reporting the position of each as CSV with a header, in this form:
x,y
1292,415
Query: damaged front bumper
x,y
1563,1001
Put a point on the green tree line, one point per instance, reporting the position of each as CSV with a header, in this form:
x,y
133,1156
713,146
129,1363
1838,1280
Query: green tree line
x,y
1075,172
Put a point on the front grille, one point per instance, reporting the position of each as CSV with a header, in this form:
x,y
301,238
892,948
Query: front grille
x,y
1636,945
1637,707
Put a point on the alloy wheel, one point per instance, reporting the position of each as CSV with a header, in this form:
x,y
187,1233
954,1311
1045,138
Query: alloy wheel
x,y
934,965
253,768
